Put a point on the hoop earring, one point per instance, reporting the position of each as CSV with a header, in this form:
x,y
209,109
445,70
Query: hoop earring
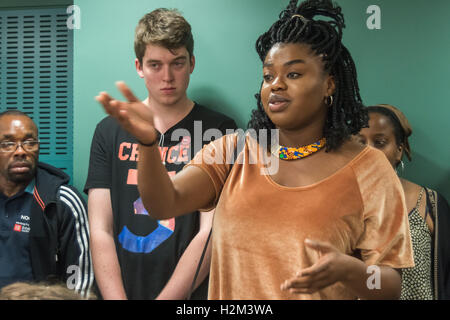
x,y
329,101
402,166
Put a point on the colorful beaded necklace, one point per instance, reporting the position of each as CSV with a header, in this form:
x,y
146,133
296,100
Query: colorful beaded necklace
x,y
288,153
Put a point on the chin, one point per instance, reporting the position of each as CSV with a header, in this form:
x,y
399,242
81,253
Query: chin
x,y
22,177
281,122
170,101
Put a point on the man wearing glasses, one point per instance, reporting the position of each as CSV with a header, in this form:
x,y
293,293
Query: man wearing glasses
x,y
43,223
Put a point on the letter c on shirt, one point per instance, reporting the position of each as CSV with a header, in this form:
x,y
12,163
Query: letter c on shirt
x,y
122,155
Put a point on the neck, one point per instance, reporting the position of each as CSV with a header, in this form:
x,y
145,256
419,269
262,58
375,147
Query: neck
x,y
296,138
404,182
165,116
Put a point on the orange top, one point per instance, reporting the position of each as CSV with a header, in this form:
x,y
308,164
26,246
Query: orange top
x,y
260,226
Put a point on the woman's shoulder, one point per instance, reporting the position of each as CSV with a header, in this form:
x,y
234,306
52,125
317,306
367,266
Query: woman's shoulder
x,y
369,158
352,149
226,147
410,187
351,153
412,193
371,167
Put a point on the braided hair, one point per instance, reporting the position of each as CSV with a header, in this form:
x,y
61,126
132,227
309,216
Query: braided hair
x,y
346,115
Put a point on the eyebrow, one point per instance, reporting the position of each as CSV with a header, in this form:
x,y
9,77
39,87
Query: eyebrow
x,y
184,58
380,134
11,137
289,63
375,135
152,61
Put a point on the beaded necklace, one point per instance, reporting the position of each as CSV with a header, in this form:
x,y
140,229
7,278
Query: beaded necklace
x,y
289,153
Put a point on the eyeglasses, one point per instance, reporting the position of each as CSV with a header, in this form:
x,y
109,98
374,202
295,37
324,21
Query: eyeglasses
x,y
28,145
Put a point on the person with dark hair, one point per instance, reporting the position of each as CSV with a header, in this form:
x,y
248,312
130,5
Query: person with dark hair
x,y
44,232
345,115
326,221
135,256
429,212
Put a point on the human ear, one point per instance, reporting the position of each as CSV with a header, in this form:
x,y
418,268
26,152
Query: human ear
x,y
399,153
192,64
330,85
138,66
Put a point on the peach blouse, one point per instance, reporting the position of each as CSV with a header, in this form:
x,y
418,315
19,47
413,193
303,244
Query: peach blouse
x,y
260,226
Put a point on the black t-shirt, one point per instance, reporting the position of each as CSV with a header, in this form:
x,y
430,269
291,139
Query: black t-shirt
x,y
148,250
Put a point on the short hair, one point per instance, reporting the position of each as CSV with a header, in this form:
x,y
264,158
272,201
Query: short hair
x,y
163,27
347,114
40,291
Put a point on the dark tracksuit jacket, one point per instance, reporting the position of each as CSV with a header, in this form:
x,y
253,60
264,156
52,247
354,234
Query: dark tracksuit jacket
x,y
59,231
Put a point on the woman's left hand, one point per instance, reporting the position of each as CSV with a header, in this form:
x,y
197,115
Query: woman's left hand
x,y
332,266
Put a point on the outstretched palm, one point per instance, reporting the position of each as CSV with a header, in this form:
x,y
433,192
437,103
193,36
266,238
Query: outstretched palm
x,y
134,116
331,267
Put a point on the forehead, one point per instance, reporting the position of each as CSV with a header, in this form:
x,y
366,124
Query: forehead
x,y
379,123
16,125
284,52
156,52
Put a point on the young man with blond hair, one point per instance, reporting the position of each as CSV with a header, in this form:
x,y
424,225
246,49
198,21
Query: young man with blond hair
x,y
135,256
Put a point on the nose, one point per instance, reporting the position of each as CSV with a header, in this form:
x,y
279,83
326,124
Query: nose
x,y
20,150
278,84
167,74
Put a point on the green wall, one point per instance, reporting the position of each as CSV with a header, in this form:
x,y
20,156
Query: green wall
x,y
404,64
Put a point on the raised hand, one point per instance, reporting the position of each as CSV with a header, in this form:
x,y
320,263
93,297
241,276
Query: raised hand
x,y
133,115
331,267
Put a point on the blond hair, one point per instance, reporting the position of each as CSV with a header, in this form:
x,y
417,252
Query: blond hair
x,y
163,27
40,291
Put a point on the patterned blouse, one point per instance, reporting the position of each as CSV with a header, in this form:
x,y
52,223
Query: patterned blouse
x,y
417,282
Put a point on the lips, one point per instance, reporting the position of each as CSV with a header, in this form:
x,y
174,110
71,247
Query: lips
x,y
168,90
20,167
278,103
